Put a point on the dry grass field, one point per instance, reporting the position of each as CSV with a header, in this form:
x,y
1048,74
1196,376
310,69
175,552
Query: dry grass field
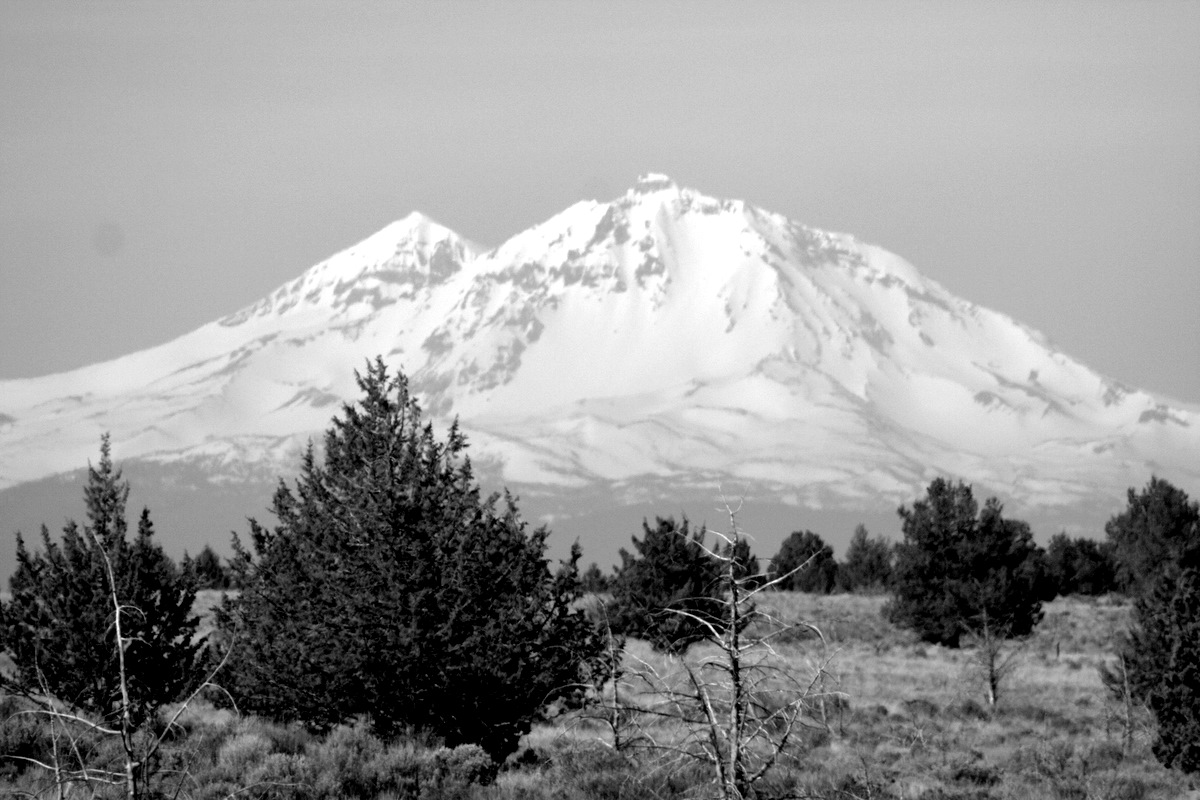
x,y
914,722
900,720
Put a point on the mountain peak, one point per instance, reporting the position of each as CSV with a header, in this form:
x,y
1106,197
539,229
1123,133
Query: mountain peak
x,y
414,227
666,334
650,182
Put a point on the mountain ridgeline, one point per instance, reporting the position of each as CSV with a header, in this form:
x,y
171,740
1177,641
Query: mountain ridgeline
x,y
657,347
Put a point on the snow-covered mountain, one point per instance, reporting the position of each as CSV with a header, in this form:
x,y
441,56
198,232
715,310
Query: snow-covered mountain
x,y
665,342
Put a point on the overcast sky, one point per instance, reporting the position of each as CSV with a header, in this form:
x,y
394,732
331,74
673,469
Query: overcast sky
x,y
162,164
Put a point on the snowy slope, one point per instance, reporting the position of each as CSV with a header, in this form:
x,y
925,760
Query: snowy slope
x,y
665,336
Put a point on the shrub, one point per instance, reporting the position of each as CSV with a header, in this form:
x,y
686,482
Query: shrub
x,y
391,589
281,776
958,572
58,627
671,572
22,736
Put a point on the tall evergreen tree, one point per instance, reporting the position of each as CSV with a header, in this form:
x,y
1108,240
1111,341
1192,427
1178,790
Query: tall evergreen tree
x,y
390,588
963,571
58,628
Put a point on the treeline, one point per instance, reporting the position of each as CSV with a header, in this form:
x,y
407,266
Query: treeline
x,y
392,595
1067,566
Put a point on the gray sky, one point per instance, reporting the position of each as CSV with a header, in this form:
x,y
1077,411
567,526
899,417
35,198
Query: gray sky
x,y
162,164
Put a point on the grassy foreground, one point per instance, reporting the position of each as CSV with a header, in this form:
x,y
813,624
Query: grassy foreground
x,y
899,720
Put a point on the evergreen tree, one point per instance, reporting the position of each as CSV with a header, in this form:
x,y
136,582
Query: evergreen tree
x,y
819,576
670,572
58,626
961,572
868,564
1160,656
1159,527
593,580
390,588
209,571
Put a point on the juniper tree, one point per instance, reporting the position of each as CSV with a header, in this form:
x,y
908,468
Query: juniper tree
x,y
390,588
819,575
59,625
668,590
1159,664
209,571
960,570
1160,526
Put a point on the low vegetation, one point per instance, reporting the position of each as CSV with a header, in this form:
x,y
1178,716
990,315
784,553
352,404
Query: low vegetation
x,y
900,719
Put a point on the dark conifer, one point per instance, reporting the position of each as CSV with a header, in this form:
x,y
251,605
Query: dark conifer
x,y
210,572
958,572
1080,566
1160,665
820,570
593,580
390,588
1158,528
669,589
58,627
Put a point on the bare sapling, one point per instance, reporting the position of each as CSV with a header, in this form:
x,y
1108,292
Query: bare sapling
x,y
996,657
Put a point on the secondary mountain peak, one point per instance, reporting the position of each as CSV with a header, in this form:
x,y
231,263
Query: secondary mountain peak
x,y
393,264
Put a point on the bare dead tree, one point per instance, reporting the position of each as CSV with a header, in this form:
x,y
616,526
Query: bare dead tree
x,y
739,706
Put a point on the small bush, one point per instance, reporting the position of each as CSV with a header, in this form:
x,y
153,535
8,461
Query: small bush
x,y
281,777
464,765
343,765
975,774
22,736
1125,787
242,753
